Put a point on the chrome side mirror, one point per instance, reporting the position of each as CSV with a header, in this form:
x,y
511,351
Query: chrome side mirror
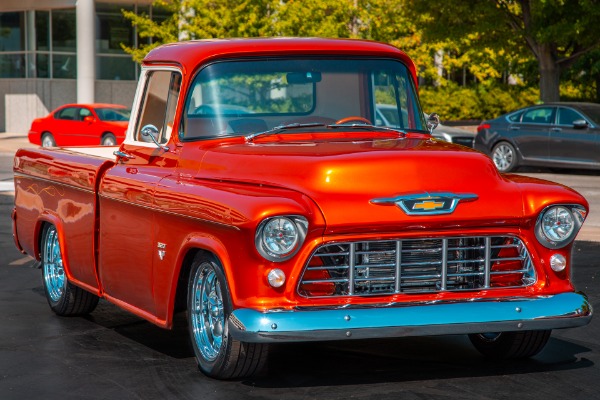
x,y
432,122
151,132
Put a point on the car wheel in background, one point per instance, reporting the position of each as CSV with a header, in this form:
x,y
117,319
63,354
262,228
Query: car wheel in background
x,y
48,140
508,345
64,298
209,306
504,156
108,139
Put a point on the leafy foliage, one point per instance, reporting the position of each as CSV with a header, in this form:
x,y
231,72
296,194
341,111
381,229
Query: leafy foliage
x,y
453,102
480,44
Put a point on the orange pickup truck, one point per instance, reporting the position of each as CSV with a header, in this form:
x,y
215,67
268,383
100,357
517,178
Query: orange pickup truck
x,y
258,190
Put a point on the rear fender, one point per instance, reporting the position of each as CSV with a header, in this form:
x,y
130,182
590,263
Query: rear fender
x,y
49,217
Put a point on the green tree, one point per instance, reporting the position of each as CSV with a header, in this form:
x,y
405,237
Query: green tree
x,y
155,32
556,32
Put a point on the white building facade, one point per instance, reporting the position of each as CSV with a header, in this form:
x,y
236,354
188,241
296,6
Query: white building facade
x,y
54,52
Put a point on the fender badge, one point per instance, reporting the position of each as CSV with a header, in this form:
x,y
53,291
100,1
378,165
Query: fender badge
x,y
161,250
426,203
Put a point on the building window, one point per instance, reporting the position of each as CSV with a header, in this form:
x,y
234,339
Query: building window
x,y
43,43
12,45
113,30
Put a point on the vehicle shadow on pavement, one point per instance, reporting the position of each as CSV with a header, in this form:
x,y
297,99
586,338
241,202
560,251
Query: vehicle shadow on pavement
x,y
404,360
339,363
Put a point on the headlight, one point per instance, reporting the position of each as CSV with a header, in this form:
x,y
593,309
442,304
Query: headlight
x,y
558,225
279,238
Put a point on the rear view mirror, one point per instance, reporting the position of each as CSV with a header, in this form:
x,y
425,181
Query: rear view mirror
x,y
580,124
300,78
89,119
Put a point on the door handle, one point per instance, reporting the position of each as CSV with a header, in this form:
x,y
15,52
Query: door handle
x,y
122,154
555,129
514,128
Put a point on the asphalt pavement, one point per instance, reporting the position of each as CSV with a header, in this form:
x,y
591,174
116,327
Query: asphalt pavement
x,y
112,354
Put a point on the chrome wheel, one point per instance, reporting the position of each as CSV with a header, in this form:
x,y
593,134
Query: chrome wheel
x,y
504,156
48,140
54,273
109,140
207,314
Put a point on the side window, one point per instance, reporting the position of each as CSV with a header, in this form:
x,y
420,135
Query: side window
x,y
516,117
566,116
84,112
159,104
541,115
69,113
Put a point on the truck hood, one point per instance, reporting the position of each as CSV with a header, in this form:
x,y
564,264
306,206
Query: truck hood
x,y
348,178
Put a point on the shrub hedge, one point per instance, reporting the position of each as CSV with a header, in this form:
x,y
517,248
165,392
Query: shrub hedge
x,y
453,102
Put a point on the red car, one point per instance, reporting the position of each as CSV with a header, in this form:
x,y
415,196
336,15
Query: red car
x,y
81,125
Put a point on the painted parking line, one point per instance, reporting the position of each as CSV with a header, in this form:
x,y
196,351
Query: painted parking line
x,y
21,261
7,186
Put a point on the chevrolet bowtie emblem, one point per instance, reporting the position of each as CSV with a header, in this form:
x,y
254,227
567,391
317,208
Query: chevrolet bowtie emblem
x,y
427,203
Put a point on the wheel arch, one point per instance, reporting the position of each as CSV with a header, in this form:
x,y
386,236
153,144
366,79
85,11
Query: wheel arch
x,y
194,244
46,219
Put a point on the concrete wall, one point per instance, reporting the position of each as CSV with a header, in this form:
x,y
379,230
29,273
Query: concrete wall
x,y
22,100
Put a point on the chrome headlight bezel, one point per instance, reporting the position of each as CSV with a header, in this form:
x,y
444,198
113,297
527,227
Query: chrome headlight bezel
x,y
551,237
299,227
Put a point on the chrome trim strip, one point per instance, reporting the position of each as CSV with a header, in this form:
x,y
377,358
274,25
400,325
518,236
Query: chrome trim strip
x,y
444,273
397,286
58,183
564,310
351,271
488,262
161,211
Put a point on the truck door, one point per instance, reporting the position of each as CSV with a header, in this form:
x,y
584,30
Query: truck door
x,y
126,230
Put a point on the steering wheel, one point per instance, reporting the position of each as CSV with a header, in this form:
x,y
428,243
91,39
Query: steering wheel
x,y
353,118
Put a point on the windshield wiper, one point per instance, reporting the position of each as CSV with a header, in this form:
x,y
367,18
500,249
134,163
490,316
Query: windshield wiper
x,y
280,128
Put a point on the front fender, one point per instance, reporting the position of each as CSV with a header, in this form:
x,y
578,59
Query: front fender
x,y
193,242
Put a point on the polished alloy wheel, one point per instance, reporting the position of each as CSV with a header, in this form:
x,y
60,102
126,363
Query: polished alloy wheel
x,y
207,314
109,140
503,157
48,140
54,273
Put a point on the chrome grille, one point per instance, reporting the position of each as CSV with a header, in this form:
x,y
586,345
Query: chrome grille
x,y
417,266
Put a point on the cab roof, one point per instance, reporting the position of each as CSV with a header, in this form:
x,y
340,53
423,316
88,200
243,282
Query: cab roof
x,y
189,55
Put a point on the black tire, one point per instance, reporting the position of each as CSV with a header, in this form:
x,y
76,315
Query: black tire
x,y
209,306
48,140
64,298
505,157
108,139
508,345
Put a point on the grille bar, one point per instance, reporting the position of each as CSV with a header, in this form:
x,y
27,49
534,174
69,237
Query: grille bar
x,y
417,266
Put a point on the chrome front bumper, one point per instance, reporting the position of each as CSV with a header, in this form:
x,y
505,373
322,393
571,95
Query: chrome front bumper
x,y
565,310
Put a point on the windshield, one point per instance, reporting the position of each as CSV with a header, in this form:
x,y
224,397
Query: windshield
x,y
251,96
113,114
